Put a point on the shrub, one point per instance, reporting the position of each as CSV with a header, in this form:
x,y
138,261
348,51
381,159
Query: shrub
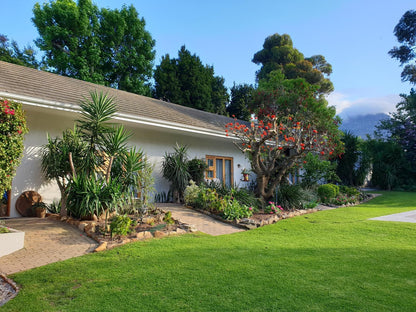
x,y
290,196
349,191
196,169
54,207
191,193
327,192
206,198
120,225
273,208
168,218
12,129
233,210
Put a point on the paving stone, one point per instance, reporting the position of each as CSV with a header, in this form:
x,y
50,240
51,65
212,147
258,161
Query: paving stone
x,y
46,241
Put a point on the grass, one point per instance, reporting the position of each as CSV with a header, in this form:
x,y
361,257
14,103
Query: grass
x,y
334,260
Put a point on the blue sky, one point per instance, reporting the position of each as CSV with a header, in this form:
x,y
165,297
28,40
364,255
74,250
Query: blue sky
x,y
354,36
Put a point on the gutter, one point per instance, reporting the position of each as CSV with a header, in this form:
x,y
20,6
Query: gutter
x,y
31,101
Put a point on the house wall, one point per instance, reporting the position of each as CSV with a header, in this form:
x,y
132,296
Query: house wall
x,y
152,140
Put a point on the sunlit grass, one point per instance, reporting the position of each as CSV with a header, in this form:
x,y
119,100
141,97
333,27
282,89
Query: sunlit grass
x,y
334,260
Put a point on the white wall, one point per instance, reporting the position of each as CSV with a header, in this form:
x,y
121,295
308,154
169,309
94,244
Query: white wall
x,y
153,141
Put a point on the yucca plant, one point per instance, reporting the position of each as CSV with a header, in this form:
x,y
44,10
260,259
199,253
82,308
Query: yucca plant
x,y
96,113
175,170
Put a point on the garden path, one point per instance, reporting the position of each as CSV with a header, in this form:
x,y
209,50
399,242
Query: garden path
x,y
200,221
46,241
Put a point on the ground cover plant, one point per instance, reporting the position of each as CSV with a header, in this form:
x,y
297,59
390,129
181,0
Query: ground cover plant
x,y
334,260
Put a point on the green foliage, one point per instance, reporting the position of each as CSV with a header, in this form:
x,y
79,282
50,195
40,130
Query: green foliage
x,y
390,167
349,191
88,195
120,225
290,196
11,53
191,193
354,164
406,35
241,97
208,200
54,207
273,208
168,218
12,131
175,170
316,169
291,122
344,199
186,81
103,46
279,54
196,169
233,210
327,192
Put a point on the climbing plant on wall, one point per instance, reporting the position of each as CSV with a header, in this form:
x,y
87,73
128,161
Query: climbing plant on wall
x,y
12,129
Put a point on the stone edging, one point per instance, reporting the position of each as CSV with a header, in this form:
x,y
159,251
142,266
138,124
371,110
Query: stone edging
x,y
6,294
88,228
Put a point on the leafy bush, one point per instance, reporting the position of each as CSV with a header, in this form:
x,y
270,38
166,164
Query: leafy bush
x,y
168,218
233,210
12,129
273,208
316,169
327,192
349,191
196,169
206,199
120,225
191,193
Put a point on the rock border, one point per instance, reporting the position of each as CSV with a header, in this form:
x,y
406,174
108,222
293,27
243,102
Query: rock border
x,y
88,227
8,289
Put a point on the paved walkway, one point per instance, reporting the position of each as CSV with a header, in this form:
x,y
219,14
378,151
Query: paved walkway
x,y
408,216
46,241
200,221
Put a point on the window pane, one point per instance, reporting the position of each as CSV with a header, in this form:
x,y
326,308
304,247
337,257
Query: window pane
x,y
228,178
210,174
219,170
210,162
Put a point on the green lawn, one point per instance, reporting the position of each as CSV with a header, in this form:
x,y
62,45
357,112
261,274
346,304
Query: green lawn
x,y
332,260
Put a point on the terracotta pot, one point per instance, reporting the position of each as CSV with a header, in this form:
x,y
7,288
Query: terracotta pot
x,y
40,212
245,177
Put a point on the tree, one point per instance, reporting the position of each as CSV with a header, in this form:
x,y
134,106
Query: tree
x,y
278,53
353,164
11,53
291,122
12,129
109,47
55,160
405,31
241,97
186,81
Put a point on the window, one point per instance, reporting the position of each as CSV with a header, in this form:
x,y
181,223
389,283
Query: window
x,y
220,168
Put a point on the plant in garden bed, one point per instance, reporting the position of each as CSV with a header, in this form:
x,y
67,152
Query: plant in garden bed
x,y
3,227
273,208
12,129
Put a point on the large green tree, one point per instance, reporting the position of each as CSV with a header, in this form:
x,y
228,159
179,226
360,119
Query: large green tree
x,y
405,31
241,97
278,53
11,53
109,47
291,122
186,81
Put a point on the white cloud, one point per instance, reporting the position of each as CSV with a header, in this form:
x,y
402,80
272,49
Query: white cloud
x,y
347,107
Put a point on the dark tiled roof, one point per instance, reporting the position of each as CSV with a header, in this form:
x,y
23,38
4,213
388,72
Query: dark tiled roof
x,y
28,82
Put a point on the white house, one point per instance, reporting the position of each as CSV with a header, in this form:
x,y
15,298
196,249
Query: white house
x,y
51,103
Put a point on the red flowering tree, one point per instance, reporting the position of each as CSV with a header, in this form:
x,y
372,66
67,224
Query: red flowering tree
x,y
12,129
291,120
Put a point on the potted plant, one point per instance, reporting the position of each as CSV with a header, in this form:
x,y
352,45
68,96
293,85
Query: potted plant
x,y
40,209
246,174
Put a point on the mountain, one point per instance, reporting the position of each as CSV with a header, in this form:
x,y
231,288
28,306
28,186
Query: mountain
x,y
361,125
